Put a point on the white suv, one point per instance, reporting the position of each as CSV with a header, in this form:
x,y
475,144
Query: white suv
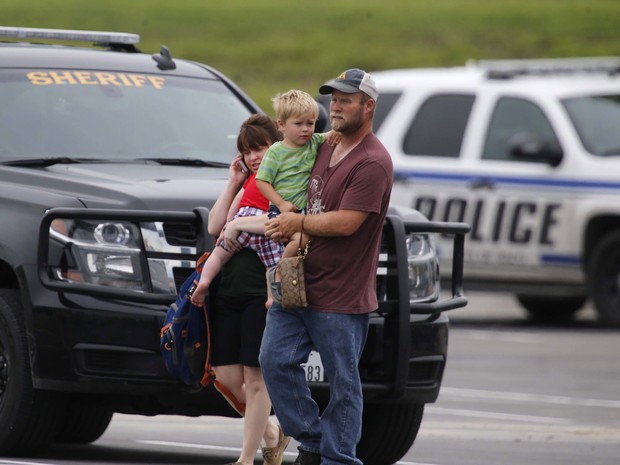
x,y
528,153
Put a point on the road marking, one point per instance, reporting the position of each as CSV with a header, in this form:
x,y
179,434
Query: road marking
x,y
495,415
488,335
13,462
523,397
414,463
188,445
227,449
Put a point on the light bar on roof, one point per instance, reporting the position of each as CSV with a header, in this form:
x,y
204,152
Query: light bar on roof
x,y
97,37
510,68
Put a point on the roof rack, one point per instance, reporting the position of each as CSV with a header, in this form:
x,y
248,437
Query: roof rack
x,y
119,39
507,69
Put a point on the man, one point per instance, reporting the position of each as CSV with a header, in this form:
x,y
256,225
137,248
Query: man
x,y
348,196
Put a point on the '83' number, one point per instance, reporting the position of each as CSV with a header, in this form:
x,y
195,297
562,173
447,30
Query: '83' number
x,y
314,373
314,367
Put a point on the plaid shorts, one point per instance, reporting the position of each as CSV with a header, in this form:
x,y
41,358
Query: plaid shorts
x,y
268,251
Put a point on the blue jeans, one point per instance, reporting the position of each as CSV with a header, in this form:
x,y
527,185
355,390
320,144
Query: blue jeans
x,y
288,338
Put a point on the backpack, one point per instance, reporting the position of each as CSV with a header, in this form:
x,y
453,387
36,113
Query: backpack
x,y
185,335
185,339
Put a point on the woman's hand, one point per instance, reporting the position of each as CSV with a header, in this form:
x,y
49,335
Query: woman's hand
x,y
229,235
236,174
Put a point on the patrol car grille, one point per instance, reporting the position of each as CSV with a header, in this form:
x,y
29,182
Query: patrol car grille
x,y
384,265
180,234
387,275
180,275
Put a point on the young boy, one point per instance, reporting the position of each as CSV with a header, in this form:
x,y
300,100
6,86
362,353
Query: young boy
x,y
287,170
256,135
284,173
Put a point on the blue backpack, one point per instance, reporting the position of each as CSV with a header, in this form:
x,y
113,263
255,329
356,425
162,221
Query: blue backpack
x,y
185,335
185,340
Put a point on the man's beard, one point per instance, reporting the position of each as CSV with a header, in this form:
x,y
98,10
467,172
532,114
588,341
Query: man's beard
x,y
348,127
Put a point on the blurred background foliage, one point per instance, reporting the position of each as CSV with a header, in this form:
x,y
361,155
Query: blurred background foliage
x,y
269,46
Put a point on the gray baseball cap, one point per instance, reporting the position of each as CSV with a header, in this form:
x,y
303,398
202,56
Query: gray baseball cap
x,y
352,81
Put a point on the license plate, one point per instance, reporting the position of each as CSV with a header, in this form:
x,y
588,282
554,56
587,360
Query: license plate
x,y
314,367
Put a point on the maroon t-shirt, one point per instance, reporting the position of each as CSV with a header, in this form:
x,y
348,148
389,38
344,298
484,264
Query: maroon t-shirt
x,y
341,272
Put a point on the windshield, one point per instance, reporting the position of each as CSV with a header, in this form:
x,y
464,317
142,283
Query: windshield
x,y
597,121
112,115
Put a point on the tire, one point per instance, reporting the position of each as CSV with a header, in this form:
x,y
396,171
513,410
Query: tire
x,y
29,418
550,309
85,421
388,432
603,269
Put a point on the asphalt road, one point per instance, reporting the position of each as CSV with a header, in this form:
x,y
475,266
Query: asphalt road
x,y
513,394
516,394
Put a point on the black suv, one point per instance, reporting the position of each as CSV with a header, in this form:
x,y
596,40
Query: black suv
x,y
109,161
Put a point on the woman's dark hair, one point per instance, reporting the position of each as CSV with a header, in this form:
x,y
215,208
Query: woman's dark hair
x,y
257,131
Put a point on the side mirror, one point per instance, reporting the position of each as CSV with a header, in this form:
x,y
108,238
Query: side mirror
x,y
322,122
529,146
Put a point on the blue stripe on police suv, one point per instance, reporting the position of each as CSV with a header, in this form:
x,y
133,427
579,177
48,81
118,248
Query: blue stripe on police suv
x,y
535,181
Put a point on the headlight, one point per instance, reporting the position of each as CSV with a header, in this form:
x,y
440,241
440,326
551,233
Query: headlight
x,y
423,268
104,253
112,233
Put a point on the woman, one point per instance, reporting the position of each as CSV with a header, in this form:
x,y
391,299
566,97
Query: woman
x,y
239,313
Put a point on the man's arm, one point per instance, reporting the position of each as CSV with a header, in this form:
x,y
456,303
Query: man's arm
x,y
329,224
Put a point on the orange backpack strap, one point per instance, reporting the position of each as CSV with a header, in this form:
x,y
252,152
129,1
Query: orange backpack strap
x,y
201,261
209,376
230,398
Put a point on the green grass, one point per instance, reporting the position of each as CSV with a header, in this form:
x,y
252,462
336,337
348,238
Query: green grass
x,y
269,46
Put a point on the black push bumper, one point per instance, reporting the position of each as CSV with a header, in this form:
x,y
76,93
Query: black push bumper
x,y
92,338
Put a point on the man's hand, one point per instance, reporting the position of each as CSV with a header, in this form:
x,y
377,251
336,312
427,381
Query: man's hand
x,y
281,229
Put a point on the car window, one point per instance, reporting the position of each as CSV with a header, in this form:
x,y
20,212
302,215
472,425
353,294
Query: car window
x,y
385,102
439,126
513,116
105,115
597,121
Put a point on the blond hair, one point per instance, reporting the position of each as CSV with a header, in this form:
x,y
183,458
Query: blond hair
x,y
294,103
